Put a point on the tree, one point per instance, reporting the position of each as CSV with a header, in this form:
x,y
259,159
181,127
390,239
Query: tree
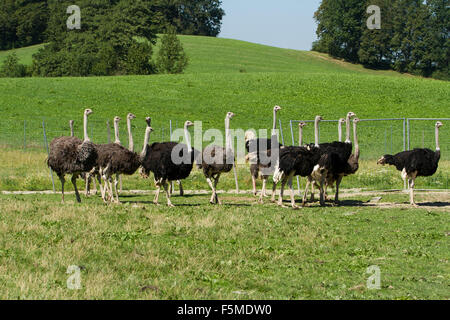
x,y
340,26
11,67
375,45
171,56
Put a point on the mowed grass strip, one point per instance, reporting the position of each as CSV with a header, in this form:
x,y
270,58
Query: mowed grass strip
x,y
242,251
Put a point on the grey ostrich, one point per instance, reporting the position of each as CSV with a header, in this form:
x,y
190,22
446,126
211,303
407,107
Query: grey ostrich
x,y
114,159
217,160
70,155
415,163
301,125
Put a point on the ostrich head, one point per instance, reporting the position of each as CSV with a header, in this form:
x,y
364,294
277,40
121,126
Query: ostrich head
x,y
71,122
319,118
382,161
439,124
149,121
230,115
341,120
277,108
117,119
351,115
87,112
131,116
188,124
302,124
356,120
249,135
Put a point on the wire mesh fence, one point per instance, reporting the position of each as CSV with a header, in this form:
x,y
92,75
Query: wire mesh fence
x,y
376,136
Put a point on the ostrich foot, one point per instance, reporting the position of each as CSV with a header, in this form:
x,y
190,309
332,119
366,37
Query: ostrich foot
x,y
415,205
156,203
295,207
170,205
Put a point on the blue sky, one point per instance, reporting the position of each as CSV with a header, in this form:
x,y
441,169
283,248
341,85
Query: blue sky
x,y
283,23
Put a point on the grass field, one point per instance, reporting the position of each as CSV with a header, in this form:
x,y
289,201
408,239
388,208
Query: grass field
x,y
240,250
243,251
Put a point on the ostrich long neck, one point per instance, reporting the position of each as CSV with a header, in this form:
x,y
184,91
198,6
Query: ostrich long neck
x,y
274,127
85,128
188,141
347,127
130,136
229,145
116,132
146,140
300,136
316,132
355,137
340,131
438,149
71,129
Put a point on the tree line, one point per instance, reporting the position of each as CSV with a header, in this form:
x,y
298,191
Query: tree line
x,y
413,38
116,37
28,22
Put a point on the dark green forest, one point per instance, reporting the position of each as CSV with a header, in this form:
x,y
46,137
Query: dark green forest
x,y
27,22
414,35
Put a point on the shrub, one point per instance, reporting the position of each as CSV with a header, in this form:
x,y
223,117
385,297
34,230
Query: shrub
x,y
12,68
171,56
139,59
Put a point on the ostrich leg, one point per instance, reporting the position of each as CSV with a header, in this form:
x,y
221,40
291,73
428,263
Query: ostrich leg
x,y
308,183
322,196
263,191
254,185
61,178
294,206
211,185
283,183
216,199
116,184
158,189
181,188
274,187
338,182
74,182
166,189
411,192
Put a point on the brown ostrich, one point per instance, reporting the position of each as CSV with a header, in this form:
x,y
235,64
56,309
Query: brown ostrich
x,y
70,155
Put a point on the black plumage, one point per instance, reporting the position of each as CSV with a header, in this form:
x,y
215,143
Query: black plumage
x,y
415,163
157,158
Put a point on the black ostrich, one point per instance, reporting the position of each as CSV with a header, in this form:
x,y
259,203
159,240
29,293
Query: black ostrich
x,y
114,159
294,161
415,163
257,149
70,155
217,160
334,164
159,159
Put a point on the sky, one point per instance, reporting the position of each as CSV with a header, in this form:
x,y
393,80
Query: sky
x,y
282,23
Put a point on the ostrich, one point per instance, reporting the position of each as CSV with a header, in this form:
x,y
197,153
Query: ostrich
x,y
114,159
294,161
415,163
70,155
256,147
158,158
71,128
217,160
339,153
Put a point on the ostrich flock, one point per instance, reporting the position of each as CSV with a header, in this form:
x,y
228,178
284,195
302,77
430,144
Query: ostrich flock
x,y
322,164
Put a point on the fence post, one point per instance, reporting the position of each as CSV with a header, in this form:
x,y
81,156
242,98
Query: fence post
x,y
404,134
24,134
409,133
46,146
